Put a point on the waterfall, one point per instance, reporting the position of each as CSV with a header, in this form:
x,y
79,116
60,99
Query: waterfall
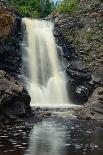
x,y
45,82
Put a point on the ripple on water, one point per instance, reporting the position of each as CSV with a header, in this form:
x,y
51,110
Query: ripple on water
x,y
81,138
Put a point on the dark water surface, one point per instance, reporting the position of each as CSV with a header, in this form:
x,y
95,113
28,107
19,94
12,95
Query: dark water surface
x,y
78,137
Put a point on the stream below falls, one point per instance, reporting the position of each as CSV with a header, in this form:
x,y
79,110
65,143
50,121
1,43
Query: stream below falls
x,y
54,135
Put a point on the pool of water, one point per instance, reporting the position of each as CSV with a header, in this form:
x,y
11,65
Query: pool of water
x,y
53,136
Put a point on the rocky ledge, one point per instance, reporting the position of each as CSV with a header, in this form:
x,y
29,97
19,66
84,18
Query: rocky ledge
x,y
93,109
14,99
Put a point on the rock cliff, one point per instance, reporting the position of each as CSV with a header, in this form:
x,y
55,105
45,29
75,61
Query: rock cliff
x,y
10,39
14,99
83,32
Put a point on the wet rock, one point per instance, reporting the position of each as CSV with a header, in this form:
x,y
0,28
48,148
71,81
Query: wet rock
x,y
46,114
37,109
79,75
10,48
68,50
81,86
14,99
93,108
100,92
79,92
77,71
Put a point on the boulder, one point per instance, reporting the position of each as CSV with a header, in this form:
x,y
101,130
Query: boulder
x,y
14,99
93,109
78,91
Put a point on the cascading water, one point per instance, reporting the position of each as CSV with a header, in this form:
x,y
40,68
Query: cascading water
x,y
45,83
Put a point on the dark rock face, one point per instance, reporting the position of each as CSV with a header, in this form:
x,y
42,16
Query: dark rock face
x,y
79,79
14,99
10,49
84,32
79,75
93,109
78,91
10,55
81,86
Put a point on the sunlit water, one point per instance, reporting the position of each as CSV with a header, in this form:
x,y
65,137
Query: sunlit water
x,y
53,135
42,72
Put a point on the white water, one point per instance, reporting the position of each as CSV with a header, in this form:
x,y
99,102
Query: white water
x,y
45,83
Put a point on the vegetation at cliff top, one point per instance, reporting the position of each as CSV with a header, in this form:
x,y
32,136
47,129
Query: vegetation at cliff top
x,y
42,8
32,8
68,6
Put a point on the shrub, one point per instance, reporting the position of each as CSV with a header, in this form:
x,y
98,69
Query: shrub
x,y
32,8
68,6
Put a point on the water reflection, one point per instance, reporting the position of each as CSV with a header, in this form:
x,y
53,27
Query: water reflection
x,y
54,136
46,139
66,137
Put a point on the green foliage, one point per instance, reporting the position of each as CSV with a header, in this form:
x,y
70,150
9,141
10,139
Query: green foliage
x,y
88,35
68,6
32,8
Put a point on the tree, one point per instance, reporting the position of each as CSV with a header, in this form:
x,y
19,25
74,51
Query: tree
x,y
33,8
